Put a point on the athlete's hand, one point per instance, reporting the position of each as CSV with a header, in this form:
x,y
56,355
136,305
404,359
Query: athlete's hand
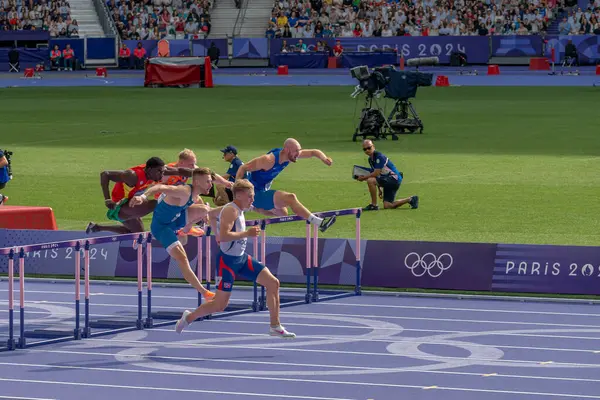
x,y
228,184
253,231
136,201
328,161
380,193
110,204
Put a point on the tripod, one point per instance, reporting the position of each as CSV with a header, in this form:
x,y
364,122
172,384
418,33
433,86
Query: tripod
x,y
402,121
372,121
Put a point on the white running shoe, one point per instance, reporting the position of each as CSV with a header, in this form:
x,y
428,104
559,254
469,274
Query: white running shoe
x,y
281,332
182,323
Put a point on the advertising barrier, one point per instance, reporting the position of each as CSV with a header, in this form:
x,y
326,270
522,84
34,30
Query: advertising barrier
x,y
478,49
396,264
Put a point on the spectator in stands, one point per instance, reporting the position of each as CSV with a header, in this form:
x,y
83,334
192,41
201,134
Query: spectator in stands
x,y
139,56
158,19
68,58
413,17
564,27
124,57
73,29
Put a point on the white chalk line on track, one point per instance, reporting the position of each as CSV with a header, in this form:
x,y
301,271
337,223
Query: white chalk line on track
x,y
163,389
291,313
307,365
23,398
354,305
310,381
113,341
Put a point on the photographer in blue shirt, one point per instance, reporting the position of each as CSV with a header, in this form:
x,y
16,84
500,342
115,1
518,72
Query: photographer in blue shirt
x,y
384,177
4,172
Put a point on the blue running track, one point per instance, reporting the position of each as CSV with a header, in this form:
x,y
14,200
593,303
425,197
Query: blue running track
x,y
359,348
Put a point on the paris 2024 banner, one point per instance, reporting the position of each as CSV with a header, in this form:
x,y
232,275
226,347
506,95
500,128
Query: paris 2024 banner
x,y
392,264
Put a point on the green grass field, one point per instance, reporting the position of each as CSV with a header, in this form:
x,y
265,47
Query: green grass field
x,y
512,165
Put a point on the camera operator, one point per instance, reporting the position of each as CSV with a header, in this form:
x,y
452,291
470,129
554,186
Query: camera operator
x,y
384,177
4,172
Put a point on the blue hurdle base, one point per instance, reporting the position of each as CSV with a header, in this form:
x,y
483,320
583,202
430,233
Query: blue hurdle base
x,y
11,344
326,297
174,315
53,334
113,324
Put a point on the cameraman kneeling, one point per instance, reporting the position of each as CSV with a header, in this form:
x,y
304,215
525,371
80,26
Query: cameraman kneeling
x,y
4,176
384,176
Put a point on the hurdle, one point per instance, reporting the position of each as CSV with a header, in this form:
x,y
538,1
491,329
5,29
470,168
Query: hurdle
x,y
78,332
313,294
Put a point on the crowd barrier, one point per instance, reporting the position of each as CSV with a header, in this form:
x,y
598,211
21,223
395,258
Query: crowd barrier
x,y
392,264
140,243
478,49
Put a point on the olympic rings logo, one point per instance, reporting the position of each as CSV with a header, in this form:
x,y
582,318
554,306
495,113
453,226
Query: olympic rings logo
x,y
429,263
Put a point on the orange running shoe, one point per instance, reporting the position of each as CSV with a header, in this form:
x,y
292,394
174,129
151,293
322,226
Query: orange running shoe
x,y
195,231
208,295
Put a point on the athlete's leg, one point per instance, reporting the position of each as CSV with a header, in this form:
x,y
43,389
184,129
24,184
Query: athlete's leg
x,y
195,214
224,277
178,253
130,218
284,199
218,304
165,234
271,284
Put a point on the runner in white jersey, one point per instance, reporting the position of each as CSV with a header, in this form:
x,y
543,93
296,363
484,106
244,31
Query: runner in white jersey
x,y
232,259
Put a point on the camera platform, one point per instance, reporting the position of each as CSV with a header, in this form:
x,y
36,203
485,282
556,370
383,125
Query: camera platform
x,y
397,85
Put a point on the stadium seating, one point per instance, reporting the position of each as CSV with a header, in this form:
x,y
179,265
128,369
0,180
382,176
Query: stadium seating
x,y
347,18
53,16
158,19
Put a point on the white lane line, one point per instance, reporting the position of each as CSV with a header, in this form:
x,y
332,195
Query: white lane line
x,y
162,389
297,380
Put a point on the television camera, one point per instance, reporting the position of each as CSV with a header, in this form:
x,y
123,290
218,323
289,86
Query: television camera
x,y
397,85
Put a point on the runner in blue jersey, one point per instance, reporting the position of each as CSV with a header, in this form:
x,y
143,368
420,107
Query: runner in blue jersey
x,y
264,169
176,209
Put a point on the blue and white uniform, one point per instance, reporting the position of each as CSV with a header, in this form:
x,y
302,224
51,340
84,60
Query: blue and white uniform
x,y
167,219
232,258
262,180
389,179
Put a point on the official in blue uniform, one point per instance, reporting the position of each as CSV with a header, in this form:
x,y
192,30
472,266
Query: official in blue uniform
x,y
385,178
263,171
224,195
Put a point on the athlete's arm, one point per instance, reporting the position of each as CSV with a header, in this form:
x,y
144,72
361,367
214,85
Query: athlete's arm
x,y
179,191
128,177
222,181
317,154
177,171
228,217
263,162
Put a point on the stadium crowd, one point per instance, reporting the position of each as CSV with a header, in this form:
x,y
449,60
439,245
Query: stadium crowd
x,y
356,18
53,16
158,19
